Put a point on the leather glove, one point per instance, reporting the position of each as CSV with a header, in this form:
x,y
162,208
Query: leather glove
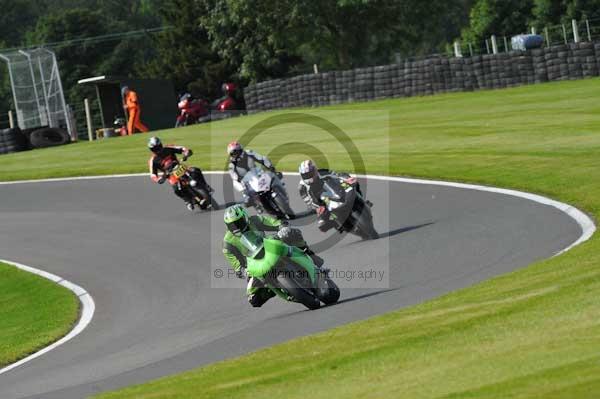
x,y
321,210
187,155
239,273
162,180
279,175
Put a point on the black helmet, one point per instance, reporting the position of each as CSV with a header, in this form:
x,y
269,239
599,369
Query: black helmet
x,y
155,145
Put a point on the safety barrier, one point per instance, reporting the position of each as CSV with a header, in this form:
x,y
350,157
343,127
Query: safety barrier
x,y
427,76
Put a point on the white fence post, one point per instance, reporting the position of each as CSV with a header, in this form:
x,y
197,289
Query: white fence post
x,y
494,45
88,119
11,119
547,37
457,50
575,31
506,50
589,32
315,69
533,31
565,34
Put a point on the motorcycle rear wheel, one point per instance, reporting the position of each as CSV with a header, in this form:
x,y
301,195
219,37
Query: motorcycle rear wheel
x,y
364,225
283,205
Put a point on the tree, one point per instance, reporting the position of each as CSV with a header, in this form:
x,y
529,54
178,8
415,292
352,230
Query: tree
x,y
498,17
79,61
184,54
264,39
552,12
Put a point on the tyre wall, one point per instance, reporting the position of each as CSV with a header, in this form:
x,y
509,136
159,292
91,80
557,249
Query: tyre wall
x,y
427,76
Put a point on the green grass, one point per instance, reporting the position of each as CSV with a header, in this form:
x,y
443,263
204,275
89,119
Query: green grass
x,y
529,334
34,312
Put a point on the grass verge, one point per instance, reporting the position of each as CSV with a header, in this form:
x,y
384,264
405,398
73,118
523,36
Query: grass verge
x,y
532,333
34,312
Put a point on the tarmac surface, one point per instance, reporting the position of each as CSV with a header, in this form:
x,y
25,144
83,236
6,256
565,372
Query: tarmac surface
x,y
158,278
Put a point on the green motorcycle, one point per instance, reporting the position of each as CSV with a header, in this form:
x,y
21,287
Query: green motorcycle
x,y
288,272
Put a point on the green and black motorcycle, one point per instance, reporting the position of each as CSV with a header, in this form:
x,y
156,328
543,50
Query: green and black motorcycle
x,y
288,272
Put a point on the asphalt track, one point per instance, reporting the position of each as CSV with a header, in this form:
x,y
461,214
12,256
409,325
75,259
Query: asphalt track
x,y
150,266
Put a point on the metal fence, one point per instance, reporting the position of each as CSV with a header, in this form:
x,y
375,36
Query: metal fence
x,y
575,32
37,89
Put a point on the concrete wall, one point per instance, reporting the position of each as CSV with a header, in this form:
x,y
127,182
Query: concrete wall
x,y
427,76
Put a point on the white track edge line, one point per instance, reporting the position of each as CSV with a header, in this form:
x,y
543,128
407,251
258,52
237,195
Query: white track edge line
x,y
587,225
88,308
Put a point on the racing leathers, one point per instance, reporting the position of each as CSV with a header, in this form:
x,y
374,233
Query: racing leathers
x,y
235,252
246,161
165,160
311,194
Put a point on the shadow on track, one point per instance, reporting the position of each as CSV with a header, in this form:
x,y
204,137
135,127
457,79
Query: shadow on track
x,y
345,300
391,233
404,230
363,296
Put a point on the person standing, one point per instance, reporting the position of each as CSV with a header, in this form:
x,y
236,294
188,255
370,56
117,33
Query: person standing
x,y
132,106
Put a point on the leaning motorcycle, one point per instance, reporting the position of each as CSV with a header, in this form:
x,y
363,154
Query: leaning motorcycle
x,y
263,188
349,210
182,176
288,272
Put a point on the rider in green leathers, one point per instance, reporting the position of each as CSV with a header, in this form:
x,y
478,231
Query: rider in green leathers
x,y
238,222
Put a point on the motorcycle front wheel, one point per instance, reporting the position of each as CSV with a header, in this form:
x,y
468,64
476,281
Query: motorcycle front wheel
x,y
284,207
296,291
333,293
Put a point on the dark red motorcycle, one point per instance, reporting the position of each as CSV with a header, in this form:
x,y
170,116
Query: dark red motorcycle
x,y
199,110
192,110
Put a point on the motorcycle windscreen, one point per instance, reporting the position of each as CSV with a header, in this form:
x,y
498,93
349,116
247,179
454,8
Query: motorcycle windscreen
x,y
258,180
252,242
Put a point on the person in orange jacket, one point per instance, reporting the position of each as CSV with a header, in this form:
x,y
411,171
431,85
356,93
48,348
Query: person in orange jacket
x,y
130,103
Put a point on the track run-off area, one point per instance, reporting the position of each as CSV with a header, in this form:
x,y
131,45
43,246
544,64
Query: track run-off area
x,y
149,266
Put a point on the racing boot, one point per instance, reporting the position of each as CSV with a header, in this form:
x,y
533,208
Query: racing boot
x,y
325,225
189,205
257,293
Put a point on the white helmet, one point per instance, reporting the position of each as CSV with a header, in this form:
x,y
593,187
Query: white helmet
x,y
308,172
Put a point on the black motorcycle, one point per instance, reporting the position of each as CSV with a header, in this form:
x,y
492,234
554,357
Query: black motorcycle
x,y
348,209
184,177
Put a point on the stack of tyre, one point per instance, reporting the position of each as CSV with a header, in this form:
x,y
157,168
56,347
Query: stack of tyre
x,y
539,65
47,137
454,74
575,58
345,87
363,84
12,140
469,76
557,63
582,60
250,98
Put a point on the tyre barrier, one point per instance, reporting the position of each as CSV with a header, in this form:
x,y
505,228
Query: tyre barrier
x,y
427,76
12,140
49,137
